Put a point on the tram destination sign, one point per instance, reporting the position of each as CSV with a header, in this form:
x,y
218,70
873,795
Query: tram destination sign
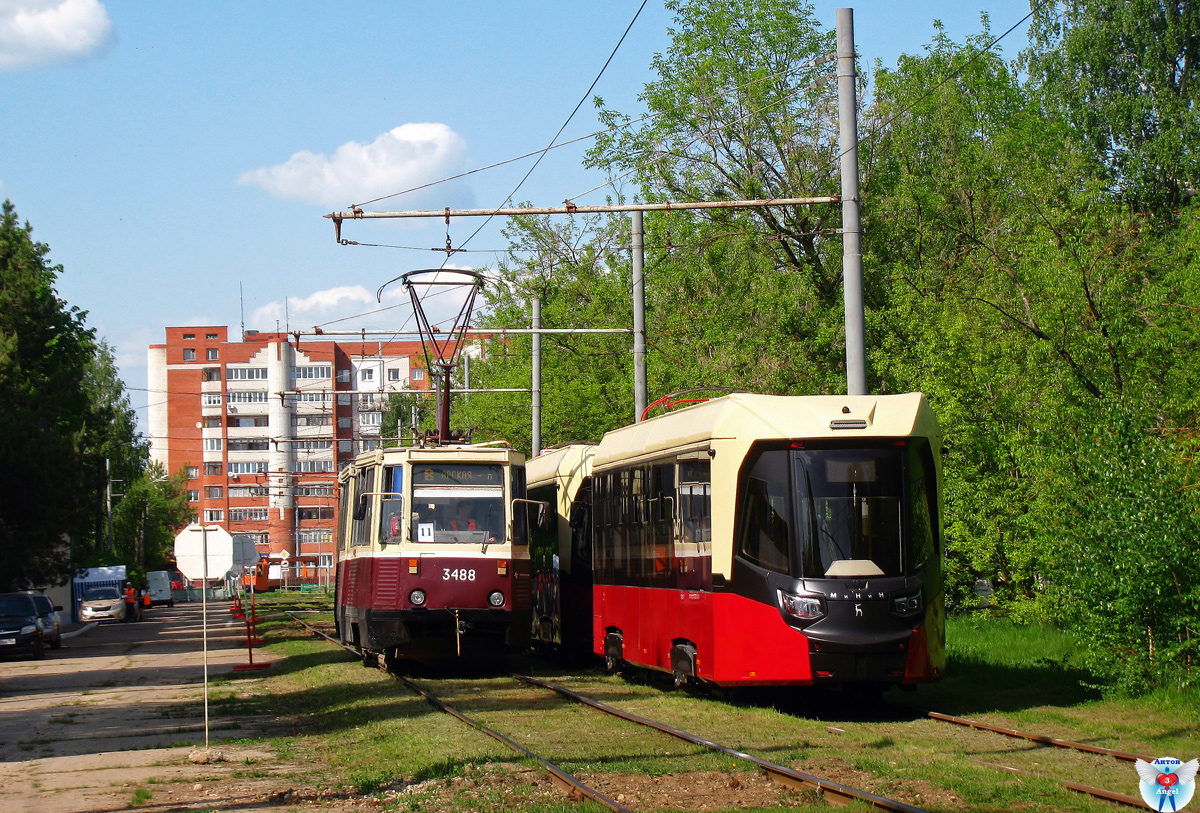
x,y
463,474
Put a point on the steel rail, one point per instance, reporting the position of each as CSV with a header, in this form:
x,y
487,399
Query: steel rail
x,y
562,779
779,773
1044,740
1099,793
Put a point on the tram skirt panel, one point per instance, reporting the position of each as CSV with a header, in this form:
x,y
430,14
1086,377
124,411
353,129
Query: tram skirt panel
x,y
754,646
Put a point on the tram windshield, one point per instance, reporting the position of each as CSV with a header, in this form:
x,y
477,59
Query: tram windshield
x,y
457,515
834,512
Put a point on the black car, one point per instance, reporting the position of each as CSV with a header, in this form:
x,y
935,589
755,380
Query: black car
x,y
48,612
21,628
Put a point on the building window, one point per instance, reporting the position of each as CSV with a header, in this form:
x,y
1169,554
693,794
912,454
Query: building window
x,y
393,375
311,445
320,395
345,446
314,491
319,371
247,397
212,423
256,420
317,513
189,354
252,467
418,375
210,399
214,515
344,376
237,492
212,373
370,418
366,374
193,495
189,335
248,445
311,420
212,469
244,373
370,445
249,514
193,472
314,465
211,336
214,492
314,537
343,423
343,399
212,444
211,354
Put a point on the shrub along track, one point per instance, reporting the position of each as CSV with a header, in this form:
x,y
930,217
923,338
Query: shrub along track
x,y
796,780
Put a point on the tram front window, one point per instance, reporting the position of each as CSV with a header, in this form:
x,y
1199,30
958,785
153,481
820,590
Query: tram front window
x,y
443,515
849,511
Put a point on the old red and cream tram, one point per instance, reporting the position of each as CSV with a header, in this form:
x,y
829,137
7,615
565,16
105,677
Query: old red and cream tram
x,y
767,540
433,554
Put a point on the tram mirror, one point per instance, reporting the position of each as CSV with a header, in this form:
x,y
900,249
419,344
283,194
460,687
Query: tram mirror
x,y
541,515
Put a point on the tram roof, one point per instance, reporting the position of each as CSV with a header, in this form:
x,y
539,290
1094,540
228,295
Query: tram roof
x,y
748,417
562,462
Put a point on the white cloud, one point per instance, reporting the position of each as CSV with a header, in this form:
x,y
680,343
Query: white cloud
x,y
36,33
404,157
353,307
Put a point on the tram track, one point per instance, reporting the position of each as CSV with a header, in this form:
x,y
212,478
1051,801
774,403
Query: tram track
x,y
1041,739
790,778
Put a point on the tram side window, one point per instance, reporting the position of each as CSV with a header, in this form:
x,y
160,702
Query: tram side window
x,y
344,516
765,527
391,510
695,500
544,538
922,489
661,506
363,503
581,525
603,541
520,529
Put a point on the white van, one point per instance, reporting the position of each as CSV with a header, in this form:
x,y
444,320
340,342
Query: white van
x,y
160,588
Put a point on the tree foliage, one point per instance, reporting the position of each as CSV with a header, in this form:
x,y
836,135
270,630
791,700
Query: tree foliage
x,y
66,426
1031,264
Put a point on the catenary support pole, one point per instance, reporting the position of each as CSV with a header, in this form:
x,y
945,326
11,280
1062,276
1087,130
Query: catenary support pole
x,y
852,266
536,323
639,317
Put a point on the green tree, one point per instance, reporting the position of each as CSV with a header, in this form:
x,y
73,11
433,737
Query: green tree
x,y
48,485
1127,75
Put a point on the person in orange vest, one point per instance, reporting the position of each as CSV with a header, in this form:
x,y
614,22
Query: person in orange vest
x,y
145,599
464,521
130,603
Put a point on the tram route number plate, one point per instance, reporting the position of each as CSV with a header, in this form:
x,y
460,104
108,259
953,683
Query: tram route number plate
x,y
458,574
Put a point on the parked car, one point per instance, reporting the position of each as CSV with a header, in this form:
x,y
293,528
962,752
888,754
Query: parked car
x,y
102,604
51,626
20,626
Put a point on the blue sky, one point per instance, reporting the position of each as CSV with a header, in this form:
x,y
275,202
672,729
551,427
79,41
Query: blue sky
x,y
171,153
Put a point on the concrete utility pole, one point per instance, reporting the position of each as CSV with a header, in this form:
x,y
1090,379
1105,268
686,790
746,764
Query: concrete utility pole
x,y
852,267
536,323
639,317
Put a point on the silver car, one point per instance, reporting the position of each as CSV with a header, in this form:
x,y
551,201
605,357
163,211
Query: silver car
x,y
102,604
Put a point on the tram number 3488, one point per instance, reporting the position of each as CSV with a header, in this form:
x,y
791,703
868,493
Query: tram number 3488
x,y
458,574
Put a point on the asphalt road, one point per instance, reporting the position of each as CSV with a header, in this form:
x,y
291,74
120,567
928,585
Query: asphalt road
x,y
116,700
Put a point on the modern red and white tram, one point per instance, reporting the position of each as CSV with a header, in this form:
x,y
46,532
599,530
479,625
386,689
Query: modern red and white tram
x,y
433,552
770,540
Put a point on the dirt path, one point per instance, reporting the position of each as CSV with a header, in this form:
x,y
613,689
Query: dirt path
x,y
115,719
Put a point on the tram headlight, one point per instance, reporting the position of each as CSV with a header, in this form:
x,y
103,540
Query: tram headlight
x,y
417,597
806,608
496,598
908,605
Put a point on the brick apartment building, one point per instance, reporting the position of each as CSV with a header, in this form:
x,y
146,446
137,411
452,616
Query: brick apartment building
x,y
261,426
